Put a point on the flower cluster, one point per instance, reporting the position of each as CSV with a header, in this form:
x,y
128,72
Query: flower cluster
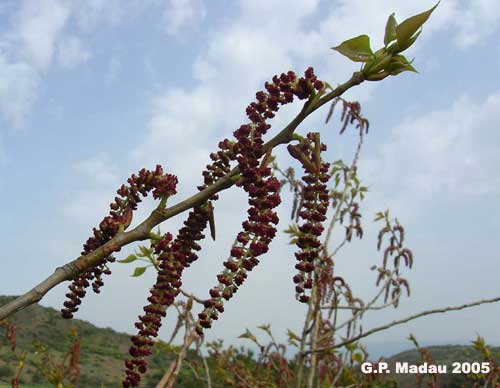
x,y
173,257
280,91
313,210
256,179
119,218
351,112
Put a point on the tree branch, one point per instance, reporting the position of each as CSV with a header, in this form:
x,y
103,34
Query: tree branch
x,y
404,320
141,232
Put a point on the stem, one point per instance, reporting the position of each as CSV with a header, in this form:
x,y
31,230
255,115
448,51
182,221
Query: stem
x,y
170,376
314,336
303,339
405,320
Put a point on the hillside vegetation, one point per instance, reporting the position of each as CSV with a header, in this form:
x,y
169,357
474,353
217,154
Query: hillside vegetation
x,y
103,351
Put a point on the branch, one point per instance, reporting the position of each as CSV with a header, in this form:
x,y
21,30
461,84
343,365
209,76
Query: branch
x,y
188,295
141,232
405,320
168,379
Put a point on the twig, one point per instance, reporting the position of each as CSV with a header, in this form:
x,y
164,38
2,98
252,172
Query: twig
x,y
207,372
381,307
188,295
344,193
168,379
405,320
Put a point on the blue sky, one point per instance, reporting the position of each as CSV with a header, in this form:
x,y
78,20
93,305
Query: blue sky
x,y
92,91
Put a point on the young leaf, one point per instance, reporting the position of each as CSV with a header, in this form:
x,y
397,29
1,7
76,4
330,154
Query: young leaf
x,y
409,42
144,251
292,336
249,335
139,271
390,30
211,221
356,49
266,328
128,259
358,357
399,64
410,26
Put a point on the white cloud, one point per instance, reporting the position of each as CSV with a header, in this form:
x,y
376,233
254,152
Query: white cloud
x,y
451,153
71,52
38,26
87,208
178,133
476,21
18,84
27,51
182,14
98,168
40,23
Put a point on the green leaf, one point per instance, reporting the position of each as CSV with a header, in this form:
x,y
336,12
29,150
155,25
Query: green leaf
x,y
358,357
409,42
390,29
139,271
292,336
266,328
145,252
337,180
128,259
356,49
248,334
399,64
406,30
293,229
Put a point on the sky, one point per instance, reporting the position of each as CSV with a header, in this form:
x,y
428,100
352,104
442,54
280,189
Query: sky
x,y
92,91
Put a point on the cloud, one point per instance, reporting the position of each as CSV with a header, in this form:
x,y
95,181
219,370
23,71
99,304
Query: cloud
x,y
182,14
18,84
450,153
40,23
27,51
71,52
85,209
98,169
476,21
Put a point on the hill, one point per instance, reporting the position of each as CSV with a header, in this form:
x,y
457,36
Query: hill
x,y
102,349
442,355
